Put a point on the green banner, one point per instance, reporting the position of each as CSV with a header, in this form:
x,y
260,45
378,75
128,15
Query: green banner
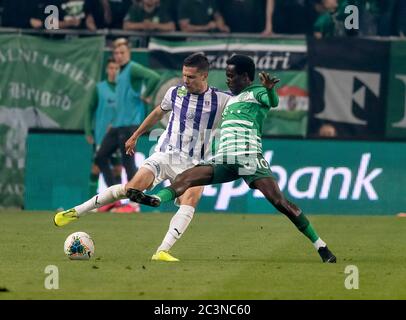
x,y
321,177
286,59
396,112
43,84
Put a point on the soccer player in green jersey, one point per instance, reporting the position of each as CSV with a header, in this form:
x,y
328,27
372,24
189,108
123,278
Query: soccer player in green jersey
x,y
239,155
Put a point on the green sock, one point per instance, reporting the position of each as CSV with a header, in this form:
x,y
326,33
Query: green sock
x,y
93,182
166,194
311,233
305,227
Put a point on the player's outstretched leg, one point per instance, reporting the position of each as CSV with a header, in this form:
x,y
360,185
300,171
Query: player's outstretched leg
x,y
196,176
143,179
110,195
269,187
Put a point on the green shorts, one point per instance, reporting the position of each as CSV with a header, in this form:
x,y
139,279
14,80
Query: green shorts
x,y
253,169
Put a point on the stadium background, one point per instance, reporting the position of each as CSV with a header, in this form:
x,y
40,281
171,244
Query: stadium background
x,y
362,94
350,185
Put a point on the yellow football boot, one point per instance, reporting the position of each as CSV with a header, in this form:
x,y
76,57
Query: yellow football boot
x,y
163,256
64,217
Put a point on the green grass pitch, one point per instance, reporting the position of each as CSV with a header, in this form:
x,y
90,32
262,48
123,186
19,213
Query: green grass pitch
x,y
223,256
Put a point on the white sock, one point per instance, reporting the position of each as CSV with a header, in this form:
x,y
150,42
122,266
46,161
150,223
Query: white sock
x,y
319,243
109,195
177,226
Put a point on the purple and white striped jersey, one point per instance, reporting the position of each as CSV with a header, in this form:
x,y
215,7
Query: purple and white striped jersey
x,y
192,116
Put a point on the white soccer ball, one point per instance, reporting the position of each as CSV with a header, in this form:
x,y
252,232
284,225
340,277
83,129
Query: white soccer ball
x,y
79,246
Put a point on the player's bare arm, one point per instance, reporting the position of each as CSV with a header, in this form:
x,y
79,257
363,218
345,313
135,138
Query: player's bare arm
x,y
156,115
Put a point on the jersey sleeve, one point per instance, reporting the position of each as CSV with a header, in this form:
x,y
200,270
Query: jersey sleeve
x,y
223,98
268,98
134,14
166,103
146,75
322,23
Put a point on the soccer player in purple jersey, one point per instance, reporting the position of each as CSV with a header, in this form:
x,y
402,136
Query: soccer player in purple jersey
x,y
239,154
196,109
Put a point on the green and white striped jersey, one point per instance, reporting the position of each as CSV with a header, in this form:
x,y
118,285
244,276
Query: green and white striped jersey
x,y
242,121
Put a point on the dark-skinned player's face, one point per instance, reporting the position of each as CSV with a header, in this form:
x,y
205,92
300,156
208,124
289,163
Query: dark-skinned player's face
x,y
236,82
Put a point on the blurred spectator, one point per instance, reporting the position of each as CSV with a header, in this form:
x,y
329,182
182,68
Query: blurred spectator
x,y
331,21
294,16
17,13
327,130
150,15
376,16
71,13
200,16
248,16
102,14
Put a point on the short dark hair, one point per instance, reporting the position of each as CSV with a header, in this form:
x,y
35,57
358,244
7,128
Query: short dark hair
x,y
197,60
243,64
110,60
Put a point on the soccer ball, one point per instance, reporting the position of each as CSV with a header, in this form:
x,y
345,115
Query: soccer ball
x,y
79,246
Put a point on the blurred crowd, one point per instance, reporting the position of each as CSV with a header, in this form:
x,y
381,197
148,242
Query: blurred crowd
x,y
321,18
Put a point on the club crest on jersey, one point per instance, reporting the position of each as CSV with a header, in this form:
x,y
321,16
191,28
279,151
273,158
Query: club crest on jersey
x,y
190,115
244,96
182,92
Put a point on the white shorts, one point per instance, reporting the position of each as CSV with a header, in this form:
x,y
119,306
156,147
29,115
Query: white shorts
x,y
166,166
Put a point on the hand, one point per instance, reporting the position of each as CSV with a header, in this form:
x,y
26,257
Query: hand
x,y
146,100
90,139
267,81
36,23
224,28
148,25
130,145
212,25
